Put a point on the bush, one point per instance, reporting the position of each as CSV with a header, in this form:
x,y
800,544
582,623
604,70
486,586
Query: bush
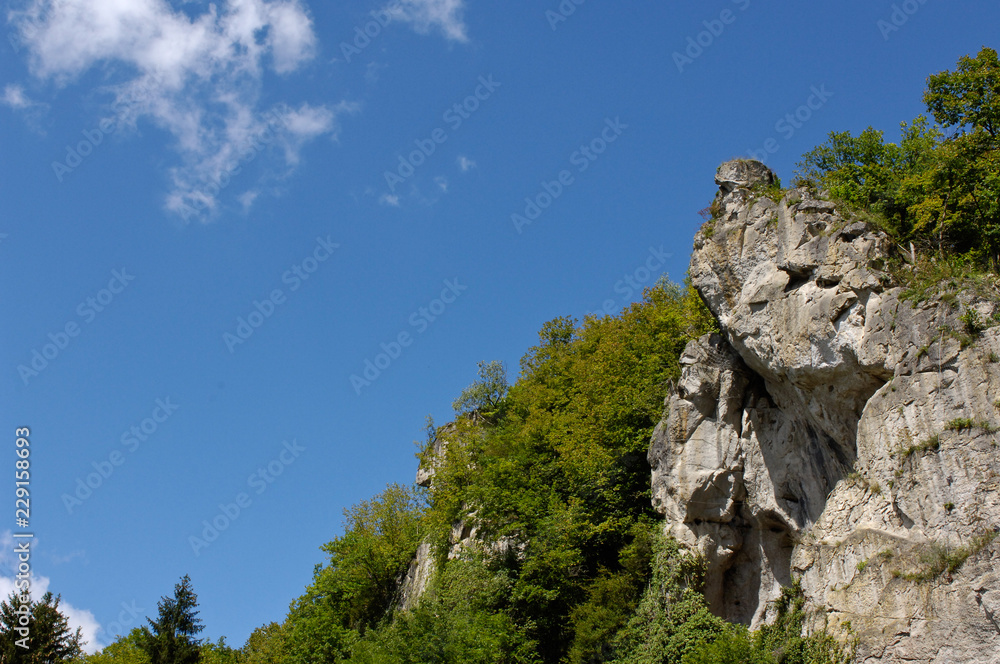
x,y
778,643
672,618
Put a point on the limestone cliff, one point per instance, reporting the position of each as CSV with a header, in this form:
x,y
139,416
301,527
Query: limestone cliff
x,y
836,432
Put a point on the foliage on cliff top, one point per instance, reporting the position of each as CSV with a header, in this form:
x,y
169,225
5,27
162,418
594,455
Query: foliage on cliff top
x,y
940,191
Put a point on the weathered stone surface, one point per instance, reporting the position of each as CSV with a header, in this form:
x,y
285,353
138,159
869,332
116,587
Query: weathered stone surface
x,y
417,578
811,440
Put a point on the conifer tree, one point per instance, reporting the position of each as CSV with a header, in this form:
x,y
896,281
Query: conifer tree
x,y
170,639
49,638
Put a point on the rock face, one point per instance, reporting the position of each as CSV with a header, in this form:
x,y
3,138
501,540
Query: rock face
x,y
836,433
417,578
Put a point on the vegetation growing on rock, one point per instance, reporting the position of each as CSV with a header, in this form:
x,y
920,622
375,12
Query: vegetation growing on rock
x,y
537,507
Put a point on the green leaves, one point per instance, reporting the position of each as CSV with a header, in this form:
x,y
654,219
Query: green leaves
x,y
486,394
124,650
266,645
780,642
459,620
969,96
940,193
551,473
672,618
355,591
562,470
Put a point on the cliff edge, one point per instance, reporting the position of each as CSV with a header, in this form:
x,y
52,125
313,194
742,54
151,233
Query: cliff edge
x,y
840,431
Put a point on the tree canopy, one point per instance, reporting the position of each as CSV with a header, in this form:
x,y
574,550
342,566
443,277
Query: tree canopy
x,y
940,191
486,394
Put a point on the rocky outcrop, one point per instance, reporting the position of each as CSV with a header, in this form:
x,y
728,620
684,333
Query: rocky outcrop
x,y
418,577
464,538
836,432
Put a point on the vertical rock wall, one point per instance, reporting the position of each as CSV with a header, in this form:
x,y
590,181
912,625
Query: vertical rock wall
x,y
818,438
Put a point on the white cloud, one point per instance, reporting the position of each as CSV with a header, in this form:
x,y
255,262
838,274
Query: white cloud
x,y
13,96
391,200
442,182
85,620
445,15
199,78
67,37
466,164
247,198
81,618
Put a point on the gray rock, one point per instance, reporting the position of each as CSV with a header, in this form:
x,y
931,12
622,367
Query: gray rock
x,y
811,439
418,577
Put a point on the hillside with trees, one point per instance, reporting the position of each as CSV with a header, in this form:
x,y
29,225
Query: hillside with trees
x,y
536,514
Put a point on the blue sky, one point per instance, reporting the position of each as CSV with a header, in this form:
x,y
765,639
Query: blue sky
x,y
212,218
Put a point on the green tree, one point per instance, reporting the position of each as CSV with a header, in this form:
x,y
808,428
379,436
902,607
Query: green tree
x,y
266,645
869,173
935,191
358,587
460,619
171,638
672,619
219,652
486,394
561,477
611,600
126,649
49,638
968,96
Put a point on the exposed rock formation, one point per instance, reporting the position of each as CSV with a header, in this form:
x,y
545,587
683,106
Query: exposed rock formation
x,y
464,536
811,440
417,578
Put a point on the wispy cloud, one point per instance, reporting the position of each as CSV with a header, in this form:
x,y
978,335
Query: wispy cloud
x,y
247,199
465,164
425,15
14,97
198,78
